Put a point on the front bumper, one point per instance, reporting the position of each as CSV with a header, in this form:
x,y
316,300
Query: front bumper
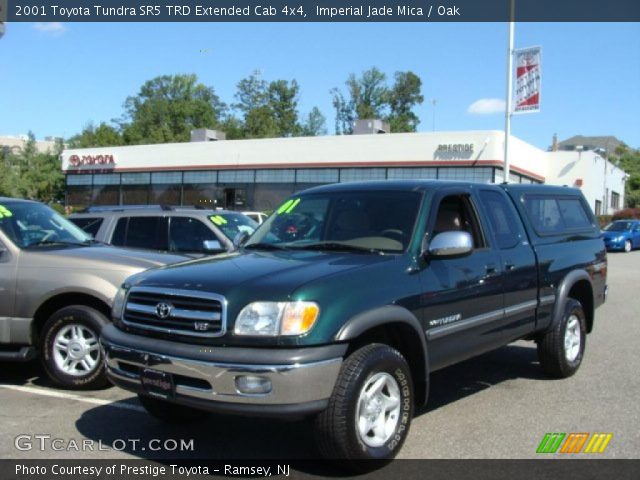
x,y
302,379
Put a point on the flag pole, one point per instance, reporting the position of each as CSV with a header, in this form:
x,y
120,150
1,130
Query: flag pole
x,y
507,116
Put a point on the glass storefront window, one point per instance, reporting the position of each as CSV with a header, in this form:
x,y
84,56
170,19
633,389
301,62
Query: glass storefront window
x,y
78,197
236,176
411,173
135,194
317,175
200,194
362,174
106,195
275,176
165,194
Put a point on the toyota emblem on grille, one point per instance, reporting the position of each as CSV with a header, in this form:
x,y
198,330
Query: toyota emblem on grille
x,y
163,310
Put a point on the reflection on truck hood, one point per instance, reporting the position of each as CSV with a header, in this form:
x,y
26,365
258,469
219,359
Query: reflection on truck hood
x,y
264,273
96,257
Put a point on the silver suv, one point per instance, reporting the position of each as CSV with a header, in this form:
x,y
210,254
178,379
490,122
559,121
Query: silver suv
x,y
56,290
184,230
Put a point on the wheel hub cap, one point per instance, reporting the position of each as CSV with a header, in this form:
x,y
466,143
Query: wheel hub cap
x,y
378,410
76,350
572,339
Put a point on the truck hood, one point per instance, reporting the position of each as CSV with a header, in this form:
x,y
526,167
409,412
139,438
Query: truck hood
x,y
262,275
98,257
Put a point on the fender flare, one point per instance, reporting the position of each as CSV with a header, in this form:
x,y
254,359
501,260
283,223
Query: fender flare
x,y
562,293
376,317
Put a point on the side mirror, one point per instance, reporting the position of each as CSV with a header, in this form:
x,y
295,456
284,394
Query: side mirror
x,y
240,238
450,244
212,246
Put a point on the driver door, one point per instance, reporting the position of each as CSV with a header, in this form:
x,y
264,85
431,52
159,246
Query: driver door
x,y
462,299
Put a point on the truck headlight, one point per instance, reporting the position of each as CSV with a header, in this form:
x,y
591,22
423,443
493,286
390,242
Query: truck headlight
x,y
276,318
118,302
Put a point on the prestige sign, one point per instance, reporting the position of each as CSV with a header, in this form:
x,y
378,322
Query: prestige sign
x,y
102,161
455,148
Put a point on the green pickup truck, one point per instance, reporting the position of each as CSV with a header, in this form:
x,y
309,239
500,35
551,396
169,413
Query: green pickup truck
x,y
343,302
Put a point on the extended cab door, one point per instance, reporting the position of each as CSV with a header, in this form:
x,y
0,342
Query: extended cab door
x,y
517,261
462,297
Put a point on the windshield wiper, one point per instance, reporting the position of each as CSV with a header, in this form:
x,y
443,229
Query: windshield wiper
x,y
47,243
264,246
337,246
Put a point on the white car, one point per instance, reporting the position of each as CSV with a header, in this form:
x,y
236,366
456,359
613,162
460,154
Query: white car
x,y
257,217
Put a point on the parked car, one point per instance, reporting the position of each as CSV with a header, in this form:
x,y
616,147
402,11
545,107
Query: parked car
x,y
182,230
56,289
344,301
622,235
258,217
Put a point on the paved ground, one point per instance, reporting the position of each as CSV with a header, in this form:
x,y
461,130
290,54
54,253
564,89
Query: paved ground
x,y
496,406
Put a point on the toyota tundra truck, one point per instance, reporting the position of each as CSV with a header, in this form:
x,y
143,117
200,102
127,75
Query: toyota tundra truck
x,y
345,300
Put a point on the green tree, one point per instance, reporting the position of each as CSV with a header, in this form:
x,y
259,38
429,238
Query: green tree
x,y
629,160
368,96
315,124
101,136
403,97
32,174
167,108
283,102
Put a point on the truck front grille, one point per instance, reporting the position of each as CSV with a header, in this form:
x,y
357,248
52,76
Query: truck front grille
x,y
179,312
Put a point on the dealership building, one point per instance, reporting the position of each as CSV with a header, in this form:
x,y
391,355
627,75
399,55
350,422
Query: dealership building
x,y
258,174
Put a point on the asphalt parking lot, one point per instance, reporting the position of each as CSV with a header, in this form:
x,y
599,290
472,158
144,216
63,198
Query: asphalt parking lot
x,y
498,405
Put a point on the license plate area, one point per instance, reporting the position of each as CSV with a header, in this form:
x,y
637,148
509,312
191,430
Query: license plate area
x,y
157,383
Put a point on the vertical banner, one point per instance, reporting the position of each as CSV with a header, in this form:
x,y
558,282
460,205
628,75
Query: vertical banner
x,y
528,78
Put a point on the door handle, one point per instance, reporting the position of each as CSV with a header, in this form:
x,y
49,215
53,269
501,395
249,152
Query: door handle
x,y
490,269
509,266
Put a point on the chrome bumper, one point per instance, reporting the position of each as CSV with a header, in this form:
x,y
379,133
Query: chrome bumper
x,y
216,382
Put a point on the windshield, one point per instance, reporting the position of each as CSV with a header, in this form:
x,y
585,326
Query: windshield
x,y
233,223
32,224
618,227
380,221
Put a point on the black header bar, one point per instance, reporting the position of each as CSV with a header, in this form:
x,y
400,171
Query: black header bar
x,y
320,11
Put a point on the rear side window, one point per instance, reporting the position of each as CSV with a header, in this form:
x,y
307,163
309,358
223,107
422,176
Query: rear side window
x,y
505,225
552,215
141,232
188,235
89,225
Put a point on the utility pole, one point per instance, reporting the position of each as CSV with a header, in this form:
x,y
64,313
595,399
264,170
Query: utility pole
x,y
507,114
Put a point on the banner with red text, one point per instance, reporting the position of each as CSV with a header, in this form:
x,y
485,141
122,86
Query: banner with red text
x,y
528,79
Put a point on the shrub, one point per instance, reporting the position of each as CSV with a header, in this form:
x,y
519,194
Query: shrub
x,y
627,213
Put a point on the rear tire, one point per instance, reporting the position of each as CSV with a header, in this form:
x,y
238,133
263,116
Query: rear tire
x,y
371,407
561,349
70,348
170,412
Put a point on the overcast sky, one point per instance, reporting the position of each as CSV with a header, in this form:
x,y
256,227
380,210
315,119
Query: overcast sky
x,y
57,77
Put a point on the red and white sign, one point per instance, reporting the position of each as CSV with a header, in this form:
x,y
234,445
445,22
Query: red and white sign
x,y
528,79
104,161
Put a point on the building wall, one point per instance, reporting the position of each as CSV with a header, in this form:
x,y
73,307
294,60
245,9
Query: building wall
x,y
599,180
260,173
16,144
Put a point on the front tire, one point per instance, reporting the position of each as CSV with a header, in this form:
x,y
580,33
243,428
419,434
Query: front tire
x,y
561,349
371,407
627,246
70,348
170,412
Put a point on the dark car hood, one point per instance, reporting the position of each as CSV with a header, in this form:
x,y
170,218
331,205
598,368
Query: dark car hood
x,y
268,275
